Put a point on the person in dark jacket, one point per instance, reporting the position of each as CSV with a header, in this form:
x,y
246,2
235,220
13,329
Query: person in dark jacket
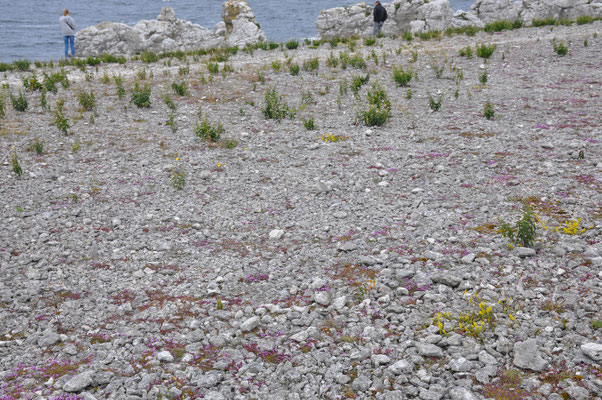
x,y
380,16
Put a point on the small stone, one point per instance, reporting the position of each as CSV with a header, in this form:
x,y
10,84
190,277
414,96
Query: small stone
x,y
446,278
467,259
429,350
214,395
49,339
339,303
593,351
300,336
430,395
79,382
361,383
250,324
276,234
577,392
487,358
401,366
460,393
526,355
380,359
139,274
524,252
461,365
322,298
208,380
165,356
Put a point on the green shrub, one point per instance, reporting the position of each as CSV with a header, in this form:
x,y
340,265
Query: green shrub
x,y
543,22
357,82
5,67
402,77
275,107
37,146
294,69
14,160
485,51
523,232
466,52
179,88
435,105
584,19
379,107
407,36
208,132
31,83
141,96
309,124
92,61
60,120
22,65
357,61
276,65
19,102
369,41
483,77
292,44
311,65
111,59
2,107
332,61
149,57
87,101
169,102
498,26
560,48
488,111
119,84
178,178
213,68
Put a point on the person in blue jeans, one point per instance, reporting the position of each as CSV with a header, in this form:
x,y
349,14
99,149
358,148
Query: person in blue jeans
x,y
67,25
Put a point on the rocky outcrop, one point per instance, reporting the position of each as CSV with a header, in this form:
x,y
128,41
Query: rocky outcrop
x,y
421,15
167,33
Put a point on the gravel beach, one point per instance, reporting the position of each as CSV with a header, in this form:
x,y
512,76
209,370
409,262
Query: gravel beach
x,y
139,261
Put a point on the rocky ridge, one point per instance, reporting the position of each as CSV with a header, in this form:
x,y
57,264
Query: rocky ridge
x,y
343,262
418,16
167,33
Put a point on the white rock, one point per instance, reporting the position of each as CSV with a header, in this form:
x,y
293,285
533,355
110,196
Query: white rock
x,y
593,351
250,324
165,356
276,233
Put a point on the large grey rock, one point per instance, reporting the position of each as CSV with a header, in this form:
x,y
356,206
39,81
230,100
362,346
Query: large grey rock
x,y
527,356
167,33
437,15
560,9
429,350
463,19
493,10
79,382
592,350
48,339
401,366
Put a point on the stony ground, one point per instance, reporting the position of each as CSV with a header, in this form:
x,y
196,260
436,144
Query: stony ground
x,y
342,262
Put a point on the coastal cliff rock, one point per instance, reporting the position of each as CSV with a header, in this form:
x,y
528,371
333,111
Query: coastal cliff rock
x,y
167,33
421,15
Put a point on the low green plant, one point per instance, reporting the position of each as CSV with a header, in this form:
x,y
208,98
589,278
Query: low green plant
x,y
87,101
14,160
438,69
213,68
357,82
179,88
208,132
407,36
402,77
37,146
149,57
294,69
4,67
485,51
76,146
19,102
311,65
357,61
409,94
178,177
435,105
276,65
22,65
169,102
483,77
584,19
560,48
596,323
292,44
543,22
184,70
309,124
369,41
31,83
2,107
141,95
60,120
172,123
275,107
488,111
379,107
332,61
119,84
501,25
523,232
466,52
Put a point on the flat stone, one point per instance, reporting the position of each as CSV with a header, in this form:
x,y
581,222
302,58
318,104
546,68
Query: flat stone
x,y
361,383
79,382
380,359
527,356
460,393
524,252
214,395
49,339
401,366
250,324
446,278
593,351
276,234
322,298
300,336
461,365
430,395
429,350
487,358
165,356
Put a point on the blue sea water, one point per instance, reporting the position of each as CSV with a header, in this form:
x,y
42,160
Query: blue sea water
x,y
29,28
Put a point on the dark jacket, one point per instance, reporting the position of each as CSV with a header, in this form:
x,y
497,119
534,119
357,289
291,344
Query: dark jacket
x,y
380,14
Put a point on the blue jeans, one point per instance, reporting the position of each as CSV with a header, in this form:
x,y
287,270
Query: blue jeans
x,y
377,27
69,40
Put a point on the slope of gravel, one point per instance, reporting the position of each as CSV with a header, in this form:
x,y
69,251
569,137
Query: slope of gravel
x,y
296,267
